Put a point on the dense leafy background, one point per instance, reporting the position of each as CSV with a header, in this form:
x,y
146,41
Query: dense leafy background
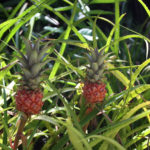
x,y
74,27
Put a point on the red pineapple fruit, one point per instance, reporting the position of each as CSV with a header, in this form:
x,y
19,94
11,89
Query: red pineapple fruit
x,y
94,92
29,101
29,96
94,88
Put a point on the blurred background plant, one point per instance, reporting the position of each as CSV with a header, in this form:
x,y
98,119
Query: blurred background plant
x,y
74,27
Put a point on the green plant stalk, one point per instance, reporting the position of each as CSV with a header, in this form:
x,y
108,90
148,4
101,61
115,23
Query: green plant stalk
x,y
145,7
19,134
66,35
63,47
117,32
94,34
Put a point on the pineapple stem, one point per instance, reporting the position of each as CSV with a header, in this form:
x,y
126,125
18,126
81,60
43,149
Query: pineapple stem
x,y
88,110
19,134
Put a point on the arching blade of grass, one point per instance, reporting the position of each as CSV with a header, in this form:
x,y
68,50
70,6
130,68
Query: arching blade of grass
x,y
65,74
138,70
117,30
109,40
104,1
48,119
69,42
100,33
130,36
54,93
135,109
134,93
107,139
136,130
115,98
138,137
119,75
94,34
6,25
66,63
133,36
145,7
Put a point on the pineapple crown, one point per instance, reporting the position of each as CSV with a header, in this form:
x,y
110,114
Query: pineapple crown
x,y
95,70
32,63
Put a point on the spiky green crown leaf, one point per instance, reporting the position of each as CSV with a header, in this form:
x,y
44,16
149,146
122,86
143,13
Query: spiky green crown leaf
x,y
32,64
96,69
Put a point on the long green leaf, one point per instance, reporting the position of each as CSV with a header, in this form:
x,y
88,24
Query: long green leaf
x,y
135,109
138,90
104,1
145,7
117,31
109,140
138,70
63,46
48,119
77,139
122,78
138,137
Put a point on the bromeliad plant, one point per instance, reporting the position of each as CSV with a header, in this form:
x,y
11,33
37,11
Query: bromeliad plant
x,y
94,88
29,94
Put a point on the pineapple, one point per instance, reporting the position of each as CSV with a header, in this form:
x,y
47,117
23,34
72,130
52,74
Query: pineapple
x,y
94,88
29,95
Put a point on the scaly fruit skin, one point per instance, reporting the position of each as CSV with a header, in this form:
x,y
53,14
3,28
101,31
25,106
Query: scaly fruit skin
x,y
94,92
29,101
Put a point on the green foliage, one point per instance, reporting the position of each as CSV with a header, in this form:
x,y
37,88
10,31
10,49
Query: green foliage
x,y
73,28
